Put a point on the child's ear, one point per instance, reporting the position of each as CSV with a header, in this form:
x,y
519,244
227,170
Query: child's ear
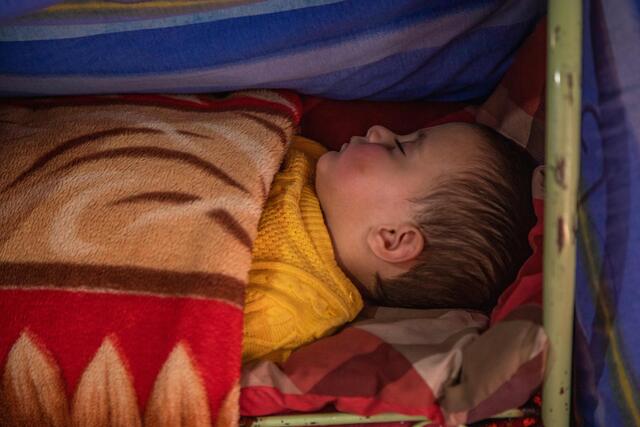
x,y
396,243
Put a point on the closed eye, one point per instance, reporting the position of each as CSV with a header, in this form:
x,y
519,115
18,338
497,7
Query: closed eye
x,y
400,147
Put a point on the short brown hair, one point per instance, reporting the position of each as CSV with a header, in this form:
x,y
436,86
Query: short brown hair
x,y
476,226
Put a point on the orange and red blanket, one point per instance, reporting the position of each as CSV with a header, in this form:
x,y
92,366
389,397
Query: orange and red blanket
x,y
126,226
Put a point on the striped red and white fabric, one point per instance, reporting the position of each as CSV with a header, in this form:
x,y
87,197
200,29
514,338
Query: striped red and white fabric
x,y
390,360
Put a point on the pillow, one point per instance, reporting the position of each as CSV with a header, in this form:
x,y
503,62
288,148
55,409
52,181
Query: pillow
x,y
126,227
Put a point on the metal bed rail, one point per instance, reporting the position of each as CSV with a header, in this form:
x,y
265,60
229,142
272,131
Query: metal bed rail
x,y
562,150
336,418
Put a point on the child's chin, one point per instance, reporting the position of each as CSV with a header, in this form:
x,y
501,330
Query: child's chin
x,y
323,166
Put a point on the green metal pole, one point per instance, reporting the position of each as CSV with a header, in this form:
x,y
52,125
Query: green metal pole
x,y
331,419
338,418
563,103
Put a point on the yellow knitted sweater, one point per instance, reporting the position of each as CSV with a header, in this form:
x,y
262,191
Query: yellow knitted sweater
x,y
297,293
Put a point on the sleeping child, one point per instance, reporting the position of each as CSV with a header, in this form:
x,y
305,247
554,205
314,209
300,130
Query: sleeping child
x,y
434,219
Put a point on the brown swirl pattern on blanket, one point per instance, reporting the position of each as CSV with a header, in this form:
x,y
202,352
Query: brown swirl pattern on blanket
x,y
134,199
84,185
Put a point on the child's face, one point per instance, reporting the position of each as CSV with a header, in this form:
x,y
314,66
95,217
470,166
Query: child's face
x,y
372,172
370,181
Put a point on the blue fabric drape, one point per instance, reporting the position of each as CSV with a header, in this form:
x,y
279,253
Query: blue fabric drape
x,y
375,49
607,342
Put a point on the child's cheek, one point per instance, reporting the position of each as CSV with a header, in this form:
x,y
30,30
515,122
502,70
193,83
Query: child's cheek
x,y
363,159
353,170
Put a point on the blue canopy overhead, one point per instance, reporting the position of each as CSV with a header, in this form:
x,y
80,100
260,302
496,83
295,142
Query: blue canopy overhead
x,y
391,50
444,49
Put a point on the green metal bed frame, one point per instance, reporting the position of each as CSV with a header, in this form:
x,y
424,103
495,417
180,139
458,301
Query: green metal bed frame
x,y
563,100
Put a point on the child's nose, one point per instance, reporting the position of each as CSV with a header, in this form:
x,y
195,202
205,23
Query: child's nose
x,y
380,135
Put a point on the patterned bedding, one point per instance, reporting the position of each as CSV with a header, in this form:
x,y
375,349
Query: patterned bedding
x,y
126,226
